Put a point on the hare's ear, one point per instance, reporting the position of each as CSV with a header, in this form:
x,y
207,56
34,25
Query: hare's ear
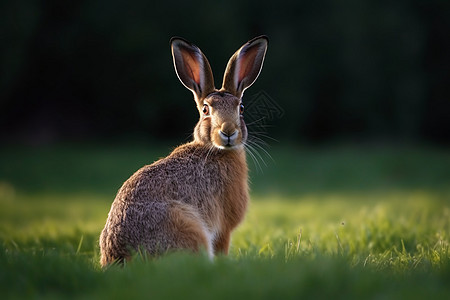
x,y
244,66
192,67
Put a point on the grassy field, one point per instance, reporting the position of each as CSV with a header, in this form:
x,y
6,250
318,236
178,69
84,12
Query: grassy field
x,y
343,222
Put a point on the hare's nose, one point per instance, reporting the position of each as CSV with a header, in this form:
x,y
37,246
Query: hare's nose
x,y
227,129
228,136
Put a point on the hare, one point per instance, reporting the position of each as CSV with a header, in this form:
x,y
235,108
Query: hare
x,y
196,196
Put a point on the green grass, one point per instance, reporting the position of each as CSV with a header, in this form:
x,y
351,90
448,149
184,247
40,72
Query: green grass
x,y
344,222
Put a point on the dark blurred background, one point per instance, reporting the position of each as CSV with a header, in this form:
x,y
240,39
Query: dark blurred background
x,y
340,70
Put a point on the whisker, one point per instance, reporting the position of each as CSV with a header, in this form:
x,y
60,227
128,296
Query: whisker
x,y
261,126
254,158
257,155
264,150
259,141
210,150
264,135
256,139
254,145
256,121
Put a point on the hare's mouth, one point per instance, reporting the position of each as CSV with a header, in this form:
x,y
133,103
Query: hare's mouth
x,y
226,140
229,147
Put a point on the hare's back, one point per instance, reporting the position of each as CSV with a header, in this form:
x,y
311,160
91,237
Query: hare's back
x,y
185,178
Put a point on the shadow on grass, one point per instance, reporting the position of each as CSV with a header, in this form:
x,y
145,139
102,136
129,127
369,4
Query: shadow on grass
x,y
180,275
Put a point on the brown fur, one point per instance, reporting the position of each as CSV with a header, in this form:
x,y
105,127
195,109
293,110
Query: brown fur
x,y
196,196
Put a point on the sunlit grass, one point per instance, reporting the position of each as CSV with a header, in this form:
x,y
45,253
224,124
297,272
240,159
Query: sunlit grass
x,y
411,228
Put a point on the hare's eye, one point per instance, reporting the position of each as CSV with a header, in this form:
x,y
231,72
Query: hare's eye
x,y
241,109
205,109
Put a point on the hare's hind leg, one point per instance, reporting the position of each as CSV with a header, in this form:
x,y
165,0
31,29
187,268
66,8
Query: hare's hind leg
x,y
110,250
189,230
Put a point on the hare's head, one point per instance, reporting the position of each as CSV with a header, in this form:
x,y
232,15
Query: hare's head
x,y
221,121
